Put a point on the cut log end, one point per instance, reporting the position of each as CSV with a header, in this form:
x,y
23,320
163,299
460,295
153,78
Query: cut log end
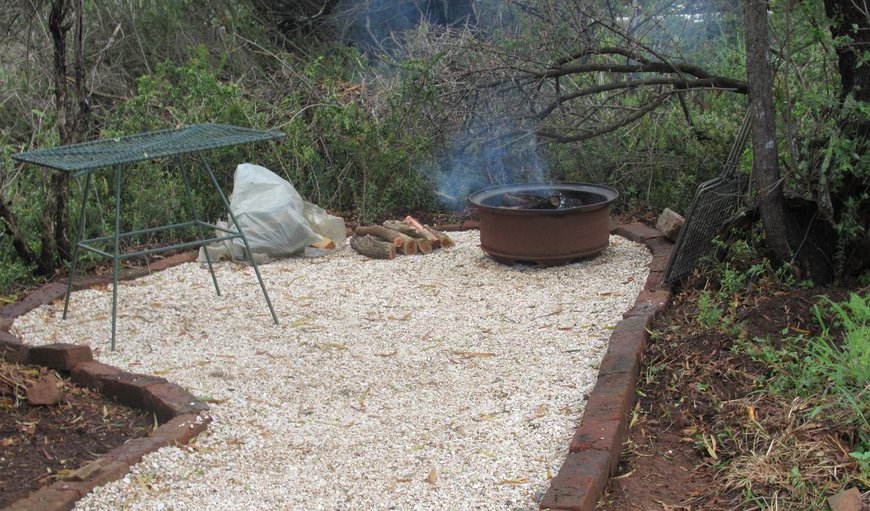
x,y
409,247
444,241
372,247
423,245
324,243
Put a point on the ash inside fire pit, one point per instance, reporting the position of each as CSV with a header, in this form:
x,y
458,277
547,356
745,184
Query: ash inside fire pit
x,y
546,224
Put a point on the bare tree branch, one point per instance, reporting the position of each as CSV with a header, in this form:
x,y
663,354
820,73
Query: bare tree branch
x,y
720,83
645,67
587,134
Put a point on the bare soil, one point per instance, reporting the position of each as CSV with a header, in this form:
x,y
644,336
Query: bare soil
x,y
693,386
40,444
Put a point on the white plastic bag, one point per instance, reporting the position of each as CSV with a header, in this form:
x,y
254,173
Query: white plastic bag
x,y
326,225
221,250
276,220
270,212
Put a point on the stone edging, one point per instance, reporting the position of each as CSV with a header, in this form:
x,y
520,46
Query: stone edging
x,y
180,414
597,443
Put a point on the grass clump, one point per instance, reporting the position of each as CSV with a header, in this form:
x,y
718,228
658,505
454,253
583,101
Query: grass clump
x,y
831,368
820,380
794,431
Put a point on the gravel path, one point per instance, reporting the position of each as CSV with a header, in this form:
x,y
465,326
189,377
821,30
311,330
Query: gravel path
x,y
446,381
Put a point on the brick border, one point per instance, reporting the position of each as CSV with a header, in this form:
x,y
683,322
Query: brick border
x,y
597,443
180,414
593,453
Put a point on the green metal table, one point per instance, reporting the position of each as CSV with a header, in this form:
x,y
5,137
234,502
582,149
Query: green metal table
x,y
121,152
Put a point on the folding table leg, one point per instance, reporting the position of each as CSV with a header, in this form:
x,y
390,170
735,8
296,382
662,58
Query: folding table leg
x,y
195,217
75,252
241,234
116,255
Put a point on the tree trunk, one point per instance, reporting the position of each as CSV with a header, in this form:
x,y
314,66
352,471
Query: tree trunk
x,y
850,28
849,25
19,241
55,189
72,121
791,236
771,200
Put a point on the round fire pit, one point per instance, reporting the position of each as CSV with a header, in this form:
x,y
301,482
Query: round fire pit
x,y
544,223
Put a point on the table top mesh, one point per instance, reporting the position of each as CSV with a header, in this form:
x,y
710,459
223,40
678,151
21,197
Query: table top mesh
x,y
144,146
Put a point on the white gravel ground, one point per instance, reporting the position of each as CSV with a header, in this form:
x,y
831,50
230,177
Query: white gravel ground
x,y
446,381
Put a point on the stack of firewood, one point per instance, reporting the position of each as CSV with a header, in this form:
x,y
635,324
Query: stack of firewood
x,y
406,237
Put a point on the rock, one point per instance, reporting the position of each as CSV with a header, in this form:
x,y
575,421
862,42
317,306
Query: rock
x,y
46,391
849,500
670,223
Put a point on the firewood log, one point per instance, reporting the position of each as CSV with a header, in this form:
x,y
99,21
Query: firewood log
x,y
409,220
383,233
403,228
405,243
509,200
324,243
530,201
423,243
443,240
409,244
413,222
370,246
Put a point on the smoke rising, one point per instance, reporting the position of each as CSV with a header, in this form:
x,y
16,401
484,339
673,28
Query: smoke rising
x,y
371,24
478,159
490,148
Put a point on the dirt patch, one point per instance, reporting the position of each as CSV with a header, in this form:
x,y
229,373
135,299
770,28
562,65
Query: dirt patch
x,y
41,444
693,387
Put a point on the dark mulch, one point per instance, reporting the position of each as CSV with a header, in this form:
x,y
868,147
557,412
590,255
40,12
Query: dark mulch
x,y
693,385
40,444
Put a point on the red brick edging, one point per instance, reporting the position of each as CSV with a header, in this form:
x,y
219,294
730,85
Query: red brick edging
x,y
593,453
597,443
180,414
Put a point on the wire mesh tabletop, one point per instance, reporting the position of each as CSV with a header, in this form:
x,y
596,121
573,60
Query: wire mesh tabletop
x,y
80,158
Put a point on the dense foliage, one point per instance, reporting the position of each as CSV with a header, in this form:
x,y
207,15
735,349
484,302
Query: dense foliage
x,y
417,119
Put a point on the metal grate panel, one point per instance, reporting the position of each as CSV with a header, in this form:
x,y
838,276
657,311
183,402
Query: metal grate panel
x,y
716,201
78,158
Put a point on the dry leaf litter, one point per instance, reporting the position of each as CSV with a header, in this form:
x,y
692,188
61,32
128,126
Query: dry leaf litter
x,y
441,382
